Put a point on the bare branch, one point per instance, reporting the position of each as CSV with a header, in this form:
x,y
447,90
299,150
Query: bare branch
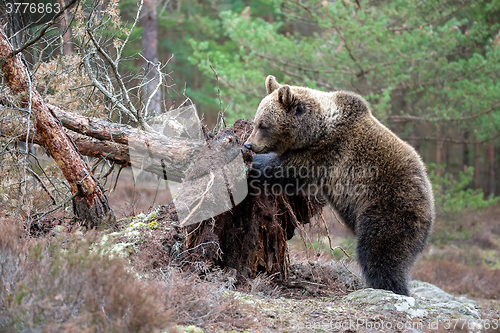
x,y
402,119
113,63
221,111
157,87
104,91
37,177
120,51
44,29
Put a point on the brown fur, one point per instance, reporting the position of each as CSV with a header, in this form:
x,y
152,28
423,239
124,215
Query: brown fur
x,y
376,181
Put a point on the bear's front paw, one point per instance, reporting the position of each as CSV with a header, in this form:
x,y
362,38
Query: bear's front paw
x,y
263,167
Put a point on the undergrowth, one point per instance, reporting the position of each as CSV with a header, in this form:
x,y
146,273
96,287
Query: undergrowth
x,y
66,283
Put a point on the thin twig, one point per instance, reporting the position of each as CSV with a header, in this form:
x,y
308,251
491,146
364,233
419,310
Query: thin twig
x,y
28,127
120,51
420,119
221,111
118,176
157,87
111,168
104,91
62,204
300,227
156,193
114,66
206,243
43,185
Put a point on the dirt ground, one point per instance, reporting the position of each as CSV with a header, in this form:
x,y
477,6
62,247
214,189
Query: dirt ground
x,y
461,258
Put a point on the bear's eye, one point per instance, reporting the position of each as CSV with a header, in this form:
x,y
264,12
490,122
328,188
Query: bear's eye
x,y
263,127
299,109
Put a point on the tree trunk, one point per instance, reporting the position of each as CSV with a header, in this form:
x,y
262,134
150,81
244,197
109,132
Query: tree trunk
x,y
466,151
497,173
446,147
492,169
477,171
149,22
90,203
63,25
117,141
438,149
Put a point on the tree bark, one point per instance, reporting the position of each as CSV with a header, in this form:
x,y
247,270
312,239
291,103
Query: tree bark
x,y
63,25
149,22
90,203
438,149
491,169
477,171
117,142
497,174
466,151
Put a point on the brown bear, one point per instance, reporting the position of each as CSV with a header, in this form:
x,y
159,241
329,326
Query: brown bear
x,y
328,144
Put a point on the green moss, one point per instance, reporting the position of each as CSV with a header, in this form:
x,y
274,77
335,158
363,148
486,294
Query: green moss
x,y
189,329
153,225
153,215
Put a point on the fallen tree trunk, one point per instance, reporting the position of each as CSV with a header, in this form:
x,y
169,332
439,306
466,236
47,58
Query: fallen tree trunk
x,y
87,146
95,137
90,203
118,141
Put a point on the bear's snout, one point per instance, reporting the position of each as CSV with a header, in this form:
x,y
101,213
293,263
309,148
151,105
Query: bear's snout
x,y
247,146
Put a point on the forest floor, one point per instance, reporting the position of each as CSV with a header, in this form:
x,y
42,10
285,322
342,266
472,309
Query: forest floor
x,y
462,258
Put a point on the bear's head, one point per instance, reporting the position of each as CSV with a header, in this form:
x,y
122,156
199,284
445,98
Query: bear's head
x,y
292,118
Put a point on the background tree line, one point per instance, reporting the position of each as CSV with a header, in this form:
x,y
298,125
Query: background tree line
x,y
429,69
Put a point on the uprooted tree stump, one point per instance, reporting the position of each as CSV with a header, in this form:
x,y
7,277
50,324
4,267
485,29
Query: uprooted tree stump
x,y
251,237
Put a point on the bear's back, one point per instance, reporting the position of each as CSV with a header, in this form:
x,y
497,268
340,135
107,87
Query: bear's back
x,y
372,157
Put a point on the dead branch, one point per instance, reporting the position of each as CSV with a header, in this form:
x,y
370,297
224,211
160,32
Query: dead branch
x,y
91,204
95,137
43,30
113,142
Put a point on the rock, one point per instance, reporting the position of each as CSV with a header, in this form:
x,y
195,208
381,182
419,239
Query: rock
x,y
427,302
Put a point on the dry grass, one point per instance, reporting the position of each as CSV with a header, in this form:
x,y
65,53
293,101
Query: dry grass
x,y
203,302
480,281
484,240
65,284
264,285
463,259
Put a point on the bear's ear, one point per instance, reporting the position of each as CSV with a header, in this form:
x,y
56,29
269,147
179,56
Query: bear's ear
x,y
271,84
285,96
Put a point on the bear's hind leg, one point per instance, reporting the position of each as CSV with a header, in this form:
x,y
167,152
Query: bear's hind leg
x,y
387,252
383,271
